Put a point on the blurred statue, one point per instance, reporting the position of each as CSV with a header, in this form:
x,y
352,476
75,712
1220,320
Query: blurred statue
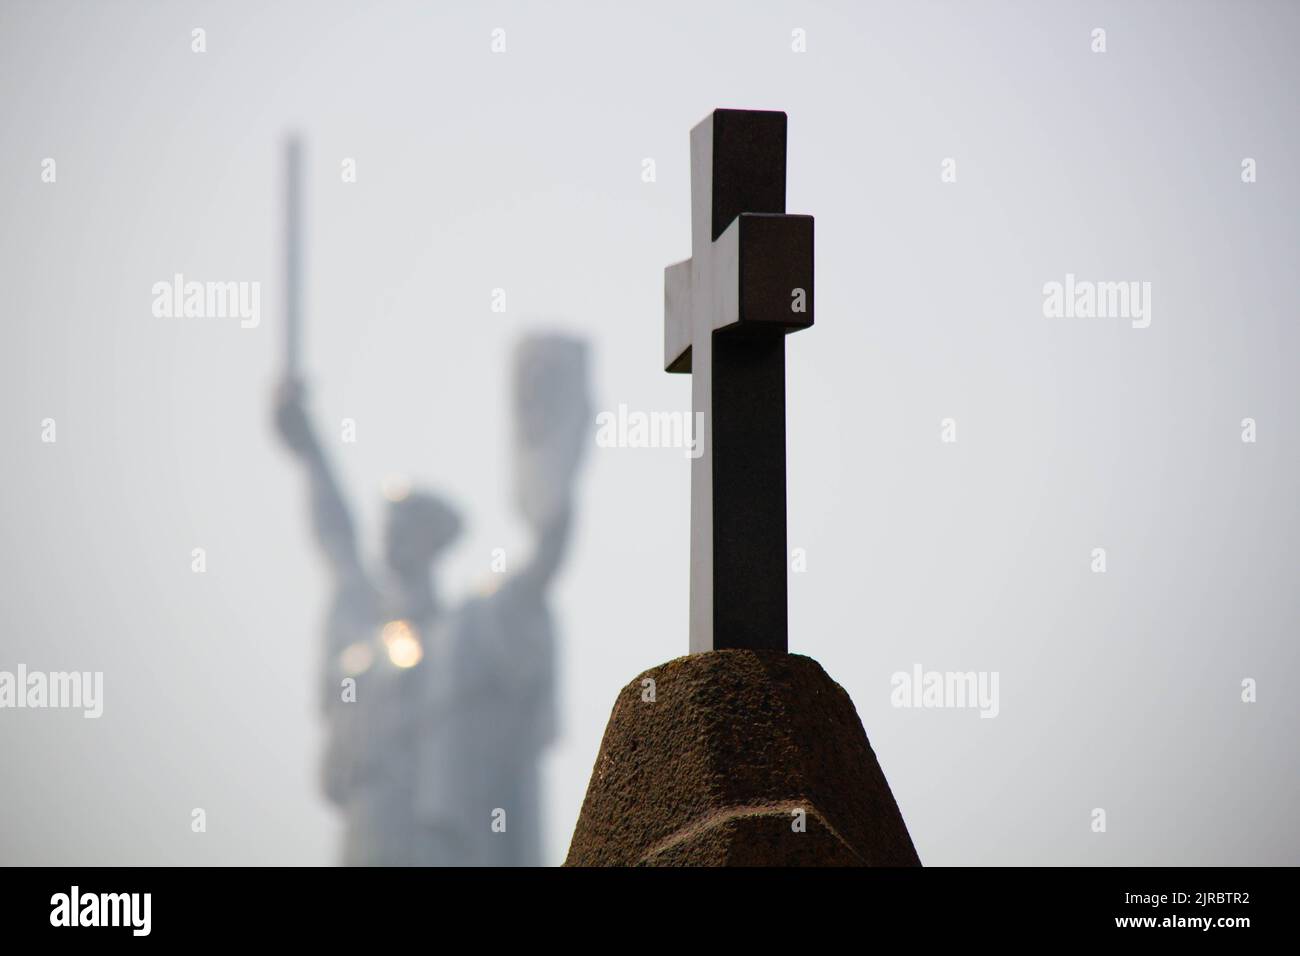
x,y
437,717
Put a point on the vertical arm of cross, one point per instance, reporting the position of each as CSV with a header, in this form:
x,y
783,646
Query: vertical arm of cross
x,y
726,312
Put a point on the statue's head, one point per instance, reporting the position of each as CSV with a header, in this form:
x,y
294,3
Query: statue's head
x,y
419,526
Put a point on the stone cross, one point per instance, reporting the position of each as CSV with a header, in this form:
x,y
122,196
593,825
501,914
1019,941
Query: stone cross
x,y
727,310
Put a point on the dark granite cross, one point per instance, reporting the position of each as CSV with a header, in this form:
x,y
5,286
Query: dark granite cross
x,y
727,309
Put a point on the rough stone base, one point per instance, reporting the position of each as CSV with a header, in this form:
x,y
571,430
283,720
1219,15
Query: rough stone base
x,y
711,772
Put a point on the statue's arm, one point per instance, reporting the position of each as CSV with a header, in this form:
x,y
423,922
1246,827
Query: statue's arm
x,y
331,520
549,549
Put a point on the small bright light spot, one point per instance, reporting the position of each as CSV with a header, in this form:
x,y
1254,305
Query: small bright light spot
x,y
357,658
397,487
403,646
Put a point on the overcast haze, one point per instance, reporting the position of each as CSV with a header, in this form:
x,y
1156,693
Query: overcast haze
x,y
523,171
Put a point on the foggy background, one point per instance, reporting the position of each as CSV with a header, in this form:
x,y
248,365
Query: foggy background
x,y
522,171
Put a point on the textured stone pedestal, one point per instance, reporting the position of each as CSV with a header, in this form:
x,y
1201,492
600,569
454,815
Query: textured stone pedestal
x,y
712,771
